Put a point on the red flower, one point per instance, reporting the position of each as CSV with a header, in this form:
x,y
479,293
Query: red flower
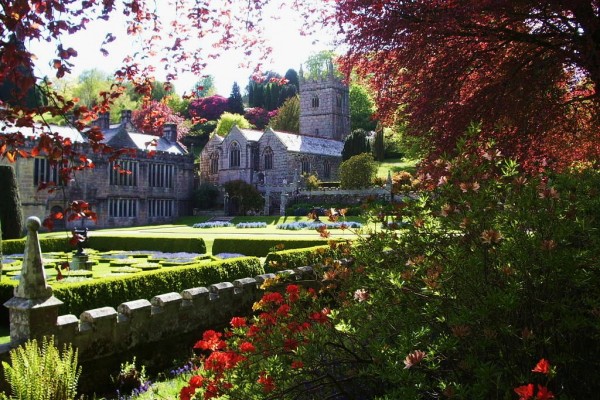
x,y
290,344
283,310
267,382
196,381
220,361
247,347
543,366
267,319
186,393
525,392
319,317
211,340
543,393
413,358
238,322
293,292
273,297
297,364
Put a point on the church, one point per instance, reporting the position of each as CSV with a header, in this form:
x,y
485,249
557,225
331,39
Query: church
x,y
272,158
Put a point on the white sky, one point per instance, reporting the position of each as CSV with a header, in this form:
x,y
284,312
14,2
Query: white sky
x,y
290,49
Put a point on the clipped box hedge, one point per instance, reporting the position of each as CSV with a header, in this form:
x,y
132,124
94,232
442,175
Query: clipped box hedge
x,y
295,258
131,243
112,291
260,247
17,246
108,243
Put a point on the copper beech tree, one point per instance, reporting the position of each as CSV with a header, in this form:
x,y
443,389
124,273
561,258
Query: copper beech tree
x,y
184,38
526,71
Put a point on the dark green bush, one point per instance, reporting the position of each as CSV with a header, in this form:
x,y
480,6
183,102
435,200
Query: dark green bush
x,y
295,258
108,243
81,296
112,291
131,243
260,247
205,197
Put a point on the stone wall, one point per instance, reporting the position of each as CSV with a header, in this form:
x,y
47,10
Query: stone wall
x,y
105,333
93,186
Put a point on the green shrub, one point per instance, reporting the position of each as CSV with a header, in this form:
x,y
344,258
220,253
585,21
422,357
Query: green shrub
x,y
244,195
259,247
44,373
358,172
205,197
295,258
131,243
112,291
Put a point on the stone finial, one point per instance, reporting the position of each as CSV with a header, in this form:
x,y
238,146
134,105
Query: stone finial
x,y
32,284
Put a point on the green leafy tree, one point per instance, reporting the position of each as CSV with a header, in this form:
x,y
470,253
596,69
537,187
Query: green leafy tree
x,y
89,85
288,116
362,108
358,172
205,87
245,195
319,64
357,142
228,121
205,197
11,216
379,145
235,103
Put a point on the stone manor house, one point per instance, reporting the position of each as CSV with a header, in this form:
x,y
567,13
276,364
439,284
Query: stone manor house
x,y
271,158
158,189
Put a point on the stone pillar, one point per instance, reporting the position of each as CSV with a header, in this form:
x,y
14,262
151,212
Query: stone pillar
x,y
33,309
267,208
284,198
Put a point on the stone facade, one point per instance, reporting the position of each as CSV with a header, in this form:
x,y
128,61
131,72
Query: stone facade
x,y
280,158
325,108
158,190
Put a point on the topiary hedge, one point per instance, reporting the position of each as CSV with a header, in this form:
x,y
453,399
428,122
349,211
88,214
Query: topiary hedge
x,y
107,243
164,244
112,291
17,246
260,247
295,258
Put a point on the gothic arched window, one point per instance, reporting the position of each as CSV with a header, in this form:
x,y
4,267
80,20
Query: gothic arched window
x,y
326,169
305,166
268,158
214,163
315,101
234,155
338,101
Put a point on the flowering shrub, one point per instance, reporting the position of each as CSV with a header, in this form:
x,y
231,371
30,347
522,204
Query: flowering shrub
x,y
245,225
213,224
493,269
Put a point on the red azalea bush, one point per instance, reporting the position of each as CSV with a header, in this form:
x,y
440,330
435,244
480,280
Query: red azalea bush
x,y
492,270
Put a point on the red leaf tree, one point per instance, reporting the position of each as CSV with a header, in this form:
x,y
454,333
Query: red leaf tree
x,y
209,108
152,117
527,71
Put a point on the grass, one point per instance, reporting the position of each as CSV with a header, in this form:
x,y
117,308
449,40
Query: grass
x,y
393,165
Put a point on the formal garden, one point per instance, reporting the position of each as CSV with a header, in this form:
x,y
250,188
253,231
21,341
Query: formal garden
x,y
475,276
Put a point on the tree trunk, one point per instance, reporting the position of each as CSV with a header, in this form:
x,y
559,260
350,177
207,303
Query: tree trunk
x,y
11,218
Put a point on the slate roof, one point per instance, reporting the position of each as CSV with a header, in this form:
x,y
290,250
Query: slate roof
x,y
250,134
125,135
309,144
66,132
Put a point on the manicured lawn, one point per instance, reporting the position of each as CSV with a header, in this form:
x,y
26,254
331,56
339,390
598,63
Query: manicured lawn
x,y
394,165
184,229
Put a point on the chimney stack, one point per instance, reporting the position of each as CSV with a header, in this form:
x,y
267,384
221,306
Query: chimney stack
x,y
103,121
125,116
170,132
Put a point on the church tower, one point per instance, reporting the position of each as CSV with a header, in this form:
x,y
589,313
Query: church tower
x,y
324,106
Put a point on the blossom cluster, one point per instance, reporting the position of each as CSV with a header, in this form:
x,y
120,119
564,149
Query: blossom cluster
x,y
243,350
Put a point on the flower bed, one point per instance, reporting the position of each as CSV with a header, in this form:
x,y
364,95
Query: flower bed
x,y
213,224
295,226
246,225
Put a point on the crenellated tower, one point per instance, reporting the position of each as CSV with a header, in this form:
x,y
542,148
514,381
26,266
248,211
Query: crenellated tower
x,y
324,106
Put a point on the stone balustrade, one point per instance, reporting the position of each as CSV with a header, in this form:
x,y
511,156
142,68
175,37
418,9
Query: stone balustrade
x,y
103,332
